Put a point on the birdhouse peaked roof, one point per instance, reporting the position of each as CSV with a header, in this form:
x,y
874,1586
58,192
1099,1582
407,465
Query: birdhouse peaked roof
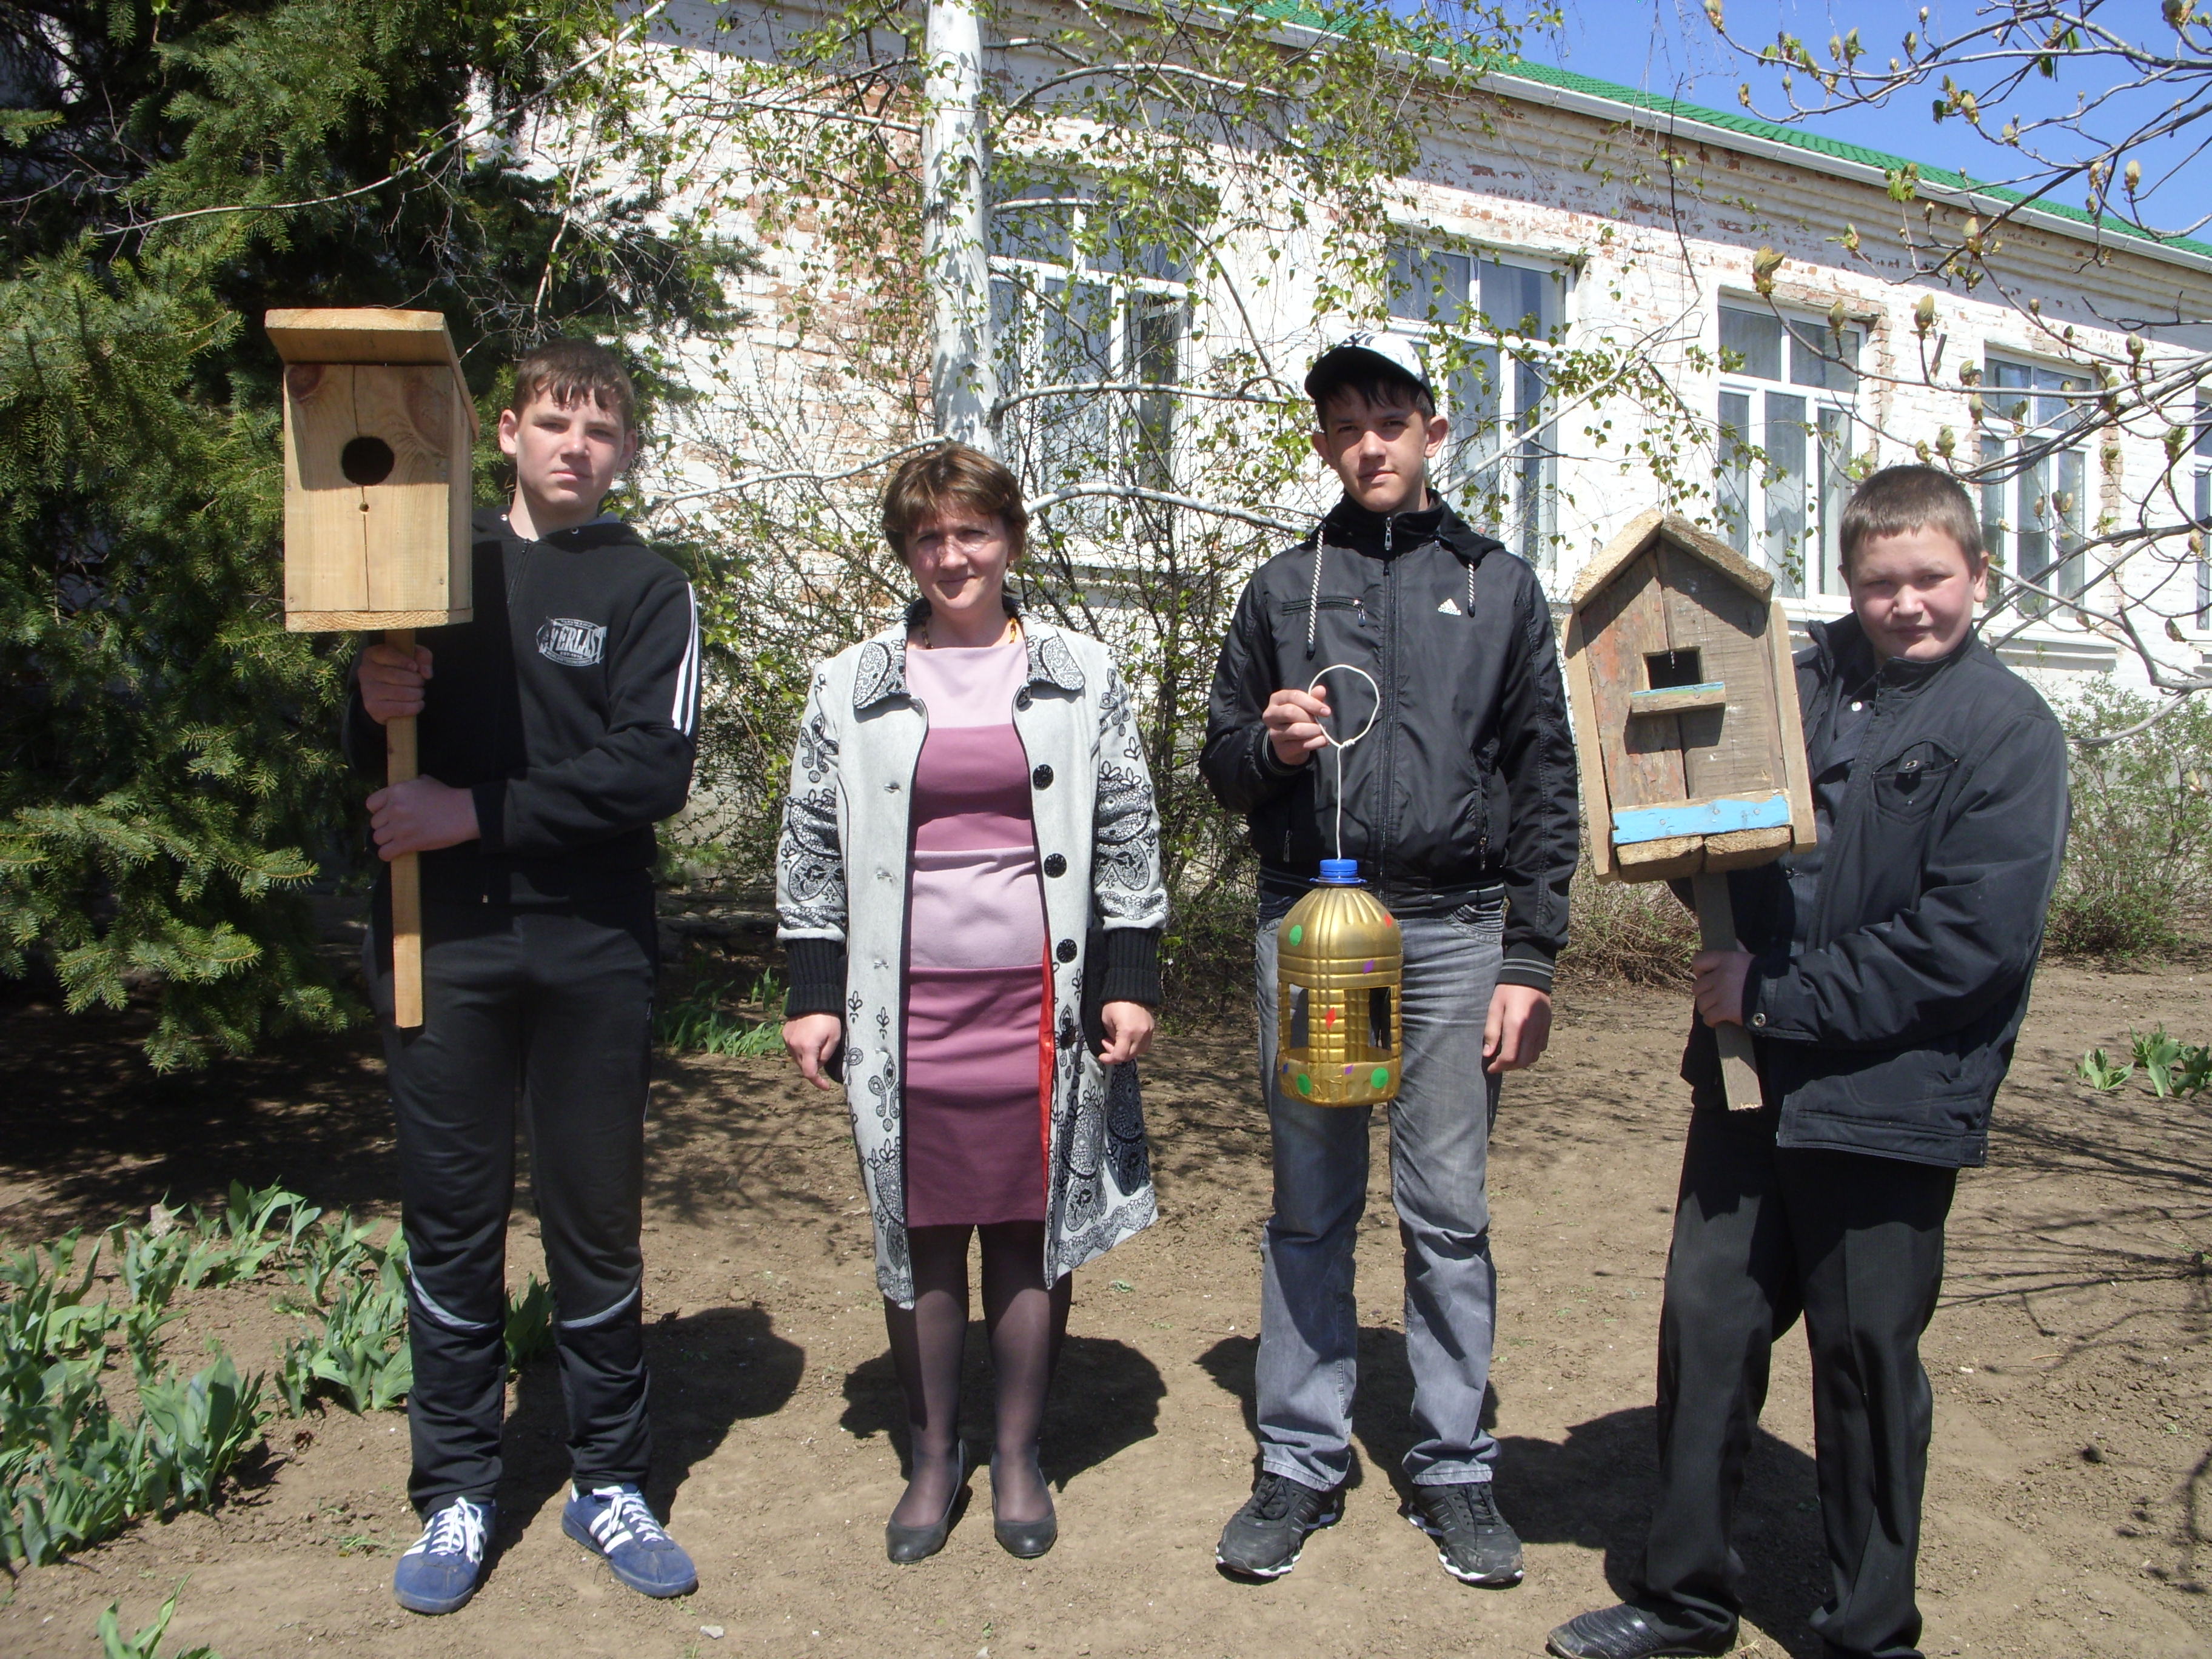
x,y
367,335
1653,526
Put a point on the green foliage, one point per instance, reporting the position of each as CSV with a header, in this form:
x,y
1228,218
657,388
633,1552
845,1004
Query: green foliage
x,y
2138,875
2101,1074
355,1348
2169,1065
700,1020
147,1643
72,1472
529,1325
170,782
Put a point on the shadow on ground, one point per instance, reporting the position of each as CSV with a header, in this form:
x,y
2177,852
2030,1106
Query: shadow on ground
x,y
1105,1398
1594,1490
709,1370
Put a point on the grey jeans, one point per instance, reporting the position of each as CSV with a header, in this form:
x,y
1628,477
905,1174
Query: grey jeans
x,y
1439,1150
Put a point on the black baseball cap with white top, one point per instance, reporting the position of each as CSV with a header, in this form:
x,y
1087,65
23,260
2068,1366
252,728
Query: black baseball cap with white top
x,y
1364,352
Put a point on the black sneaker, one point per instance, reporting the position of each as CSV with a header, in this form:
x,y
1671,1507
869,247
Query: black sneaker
x,y
1471,1538
1263,1539
1627,1633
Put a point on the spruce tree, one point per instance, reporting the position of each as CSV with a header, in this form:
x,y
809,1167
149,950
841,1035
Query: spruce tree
x,y
169,779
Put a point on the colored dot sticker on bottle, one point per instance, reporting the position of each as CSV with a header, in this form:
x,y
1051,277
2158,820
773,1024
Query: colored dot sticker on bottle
x,y
1369,968
1347,1071
1380,1077
1305,1084
1298,933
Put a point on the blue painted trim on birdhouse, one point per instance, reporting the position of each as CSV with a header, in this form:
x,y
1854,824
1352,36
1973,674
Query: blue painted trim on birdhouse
x,y
1711,817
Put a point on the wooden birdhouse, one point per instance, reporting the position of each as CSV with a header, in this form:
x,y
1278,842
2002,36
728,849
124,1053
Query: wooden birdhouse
x,y
1686,707
1687,727
378,427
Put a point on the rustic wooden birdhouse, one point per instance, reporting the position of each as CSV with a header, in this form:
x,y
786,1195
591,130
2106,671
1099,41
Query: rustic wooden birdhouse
x,y
1687,727
378,427
1686,707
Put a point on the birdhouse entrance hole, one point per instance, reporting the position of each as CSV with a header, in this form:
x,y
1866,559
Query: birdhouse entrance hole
x,y
1672,668
367,461
1301,1023
1378,1019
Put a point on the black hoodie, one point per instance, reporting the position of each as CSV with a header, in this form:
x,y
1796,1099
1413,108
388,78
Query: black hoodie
x,y
568,708
1467,779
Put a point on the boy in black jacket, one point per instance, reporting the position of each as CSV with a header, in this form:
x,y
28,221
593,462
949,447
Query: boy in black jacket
x,y
554,730
1459,806
1885,984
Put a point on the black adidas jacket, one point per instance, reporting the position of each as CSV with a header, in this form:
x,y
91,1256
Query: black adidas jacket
x,y
568,708
1894,958
1467,779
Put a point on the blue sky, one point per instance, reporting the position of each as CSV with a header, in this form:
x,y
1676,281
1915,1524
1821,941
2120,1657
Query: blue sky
x,y
1667,46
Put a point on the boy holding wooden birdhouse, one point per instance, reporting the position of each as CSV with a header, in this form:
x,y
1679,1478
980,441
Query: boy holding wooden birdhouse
x,y
556,729
1884,979
1458,804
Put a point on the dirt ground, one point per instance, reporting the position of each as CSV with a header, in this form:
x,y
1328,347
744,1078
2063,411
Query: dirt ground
x,y
2068,1500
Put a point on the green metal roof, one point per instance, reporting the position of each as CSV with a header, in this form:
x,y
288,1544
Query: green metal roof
x,y
1301,14
1799,138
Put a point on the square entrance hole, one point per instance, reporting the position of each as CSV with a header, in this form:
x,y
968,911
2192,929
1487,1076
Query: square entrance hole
x,y
1672,668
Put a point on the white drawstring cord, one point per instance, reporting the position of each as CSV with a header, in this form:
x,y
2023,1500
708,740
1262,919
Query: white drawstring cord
x,y
1346,668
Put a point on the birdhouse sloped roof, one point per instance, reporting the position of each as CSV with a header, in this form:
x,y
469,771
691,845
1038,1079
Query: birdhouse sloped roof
x,y
1651,526
368,334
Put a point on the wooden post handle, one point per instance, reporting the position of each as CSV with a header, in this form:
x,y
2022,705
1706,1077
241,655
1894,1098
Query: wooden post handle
x,y
1717,932
399,766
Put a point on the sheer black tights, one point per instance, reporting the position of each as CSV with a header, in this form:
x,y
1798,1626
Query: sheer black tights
x,y
1026,1323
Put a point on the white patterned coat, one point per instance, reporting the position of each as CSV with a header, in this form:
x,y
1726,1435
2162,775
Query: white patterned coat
x,y
842,875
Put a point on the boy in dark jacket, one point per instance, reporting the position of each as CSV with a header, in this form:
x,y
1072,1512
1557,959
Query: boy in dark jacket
x,y
1884,983
554,730
1459,805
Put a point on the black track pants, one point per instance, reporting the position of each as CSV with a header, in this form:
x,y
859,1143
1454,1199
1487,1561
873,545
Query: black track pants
x,y
551,1010
1856,1243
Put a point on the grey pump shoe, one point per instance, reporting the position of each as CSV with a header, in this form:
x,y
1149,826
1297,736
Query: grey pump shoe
x,y
1025,1539
907,1545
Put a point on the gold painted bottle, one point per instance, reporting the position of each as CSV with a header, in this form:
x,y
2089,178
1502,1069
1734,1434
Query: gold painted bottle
x,y
1339,979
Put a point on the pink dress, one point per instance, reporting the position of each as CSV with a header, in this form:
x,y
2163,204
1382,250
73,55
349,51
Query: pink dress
x,y
977,1059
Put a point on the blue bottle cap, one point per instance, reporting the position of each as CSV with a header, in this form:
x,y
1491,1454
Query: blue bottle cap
x,y
1339,872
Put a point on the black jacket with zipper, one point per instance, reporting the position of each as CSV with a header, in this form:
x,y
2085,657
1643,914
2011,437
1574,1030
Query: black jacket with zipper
x,y
1467,779
1894,958
568,708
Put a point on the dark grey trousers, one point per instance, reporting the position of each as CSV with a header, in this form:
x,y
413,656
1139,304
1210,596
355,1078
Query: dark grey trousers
x,y
545,1015
1855,1243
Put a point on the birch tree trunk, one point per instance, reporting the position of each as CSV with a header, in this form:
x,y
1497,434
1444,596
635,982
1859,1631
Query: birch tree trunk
x,y
955,246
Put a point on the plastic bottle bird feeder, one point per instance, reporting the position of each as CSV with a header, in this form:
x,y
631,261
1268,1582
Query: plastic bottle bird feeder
x,y
1687,727
1340,1036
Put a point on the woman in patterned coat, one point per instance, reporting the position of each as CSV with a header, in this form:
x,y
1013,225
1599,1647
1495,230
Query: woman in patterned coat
x,y
969,889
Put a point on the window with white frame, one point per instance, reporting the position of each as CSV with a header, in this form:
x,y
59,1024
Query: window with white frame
x,y
1489,326
1074,305
1787,391
2033,466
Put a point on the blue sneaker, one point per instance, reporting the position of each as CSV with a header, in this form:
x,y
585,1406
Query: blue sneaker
x,y
440,1573
614,1522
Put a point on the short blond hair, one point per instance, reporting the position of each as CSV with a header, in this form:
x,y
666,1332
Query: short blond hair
x,y
952,475
1900,498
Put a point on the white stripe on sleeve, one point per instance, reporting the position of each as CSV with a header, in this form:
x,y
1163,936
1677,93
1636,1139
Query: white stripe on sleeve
x,y
685,715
